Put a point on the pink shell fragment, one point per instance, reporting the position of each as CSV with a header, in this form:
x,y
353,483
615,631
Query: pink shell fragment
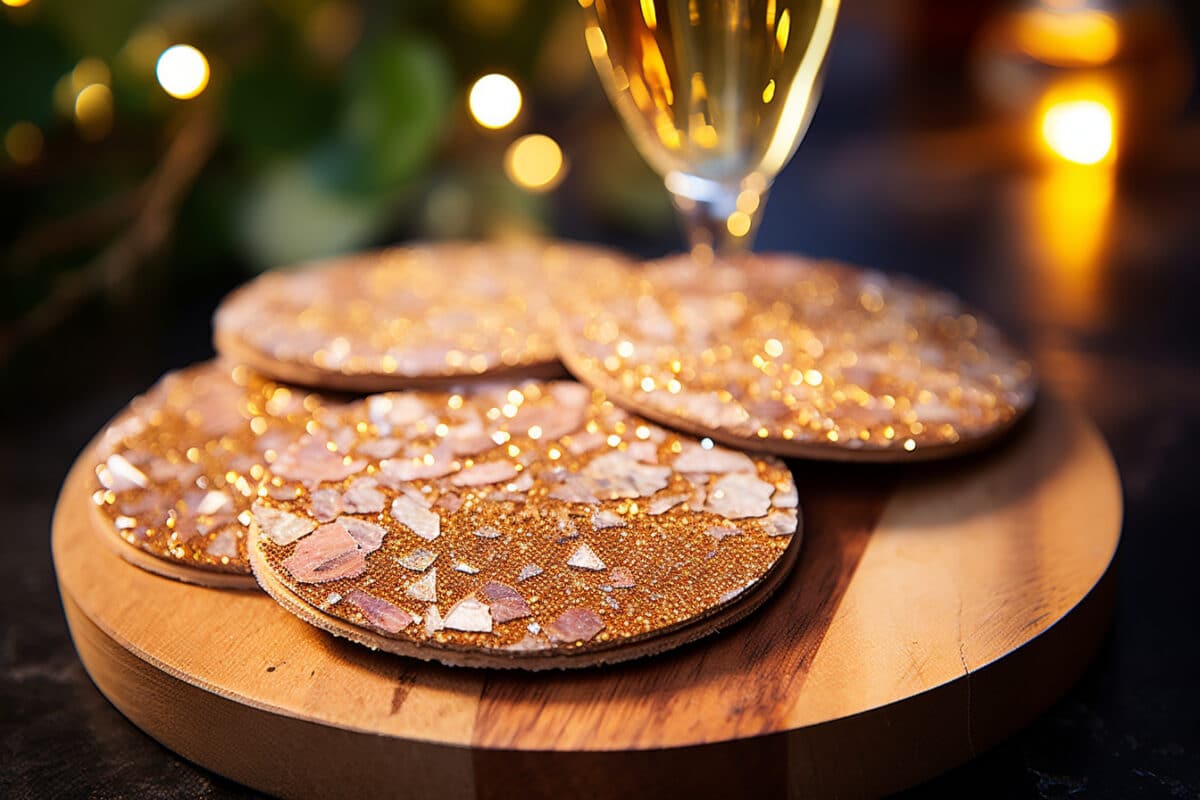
x,y
585,558
363,498
326,555
469,615
603,519
380,613
485,473
645,452
449,502
574,489
696,458
416,517
617,475
312,463
739,495
780,523
325,504
661,505
505,602
396,471
621,578
281,527
575,625
368,535
224,545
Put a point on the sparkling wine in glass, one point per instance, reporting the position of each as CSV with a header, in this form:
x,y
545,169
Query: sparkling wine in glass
x,y
716,95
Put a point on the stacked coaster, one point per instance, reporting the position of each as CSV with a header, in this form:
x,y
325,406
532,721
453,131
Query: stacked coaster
x,y
178,470
801,358
533,525
425,316
475,513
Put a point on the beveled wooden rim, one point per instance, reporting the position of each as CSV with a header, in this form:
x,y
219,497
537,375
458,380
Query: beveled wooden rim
x,y
298,736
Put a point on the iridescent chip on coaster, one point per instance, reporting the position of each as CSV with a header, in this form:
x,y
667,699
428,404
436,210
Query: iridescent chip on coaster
x,y
797,357
525,525
412,316
179,469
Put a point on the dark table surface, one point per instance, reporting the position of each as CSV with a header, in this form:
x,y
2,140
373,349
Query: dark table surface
x,y
1106,298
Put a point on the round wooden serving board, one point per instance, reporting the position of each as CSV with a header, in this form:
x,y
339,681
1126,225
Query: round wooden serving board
x,y
934,609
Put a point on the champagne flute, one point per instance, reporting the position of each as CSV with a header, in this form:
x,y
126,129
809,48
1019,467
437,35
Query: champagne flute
x,y
716,95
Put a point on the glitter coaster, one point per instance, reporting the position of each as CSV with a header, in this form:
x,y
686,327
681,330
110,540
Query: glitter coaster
x,y
421,316
798,357
180,467
530,525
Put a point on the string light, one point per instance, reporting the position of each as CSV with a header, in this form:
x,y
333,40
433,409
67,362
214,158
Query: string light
x,y
534,162
182,71
494,101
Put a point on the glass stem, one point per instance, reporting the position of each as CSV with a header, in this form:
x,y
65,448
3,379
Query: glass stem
x,y
719,219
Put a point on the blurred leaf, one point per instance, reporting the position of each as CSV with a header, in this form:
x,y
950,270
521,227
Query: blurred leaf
x,y
31,61
289,216
273,109
400,94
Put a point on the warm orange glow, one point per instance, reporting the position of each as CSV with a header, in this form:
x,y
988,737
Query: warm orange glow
x,y
1075,37
15,3
649,14
1079,131
1068,222
1077,121
783,30
1070,202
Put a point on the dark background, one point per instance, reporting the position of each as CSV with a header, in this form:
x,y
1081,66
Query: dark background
x,y
910,166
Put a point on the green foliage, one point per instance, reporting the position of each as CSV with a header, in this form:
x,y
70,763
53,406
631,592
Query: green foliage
x,y
341,124
289,215
31,61
399,97
273,109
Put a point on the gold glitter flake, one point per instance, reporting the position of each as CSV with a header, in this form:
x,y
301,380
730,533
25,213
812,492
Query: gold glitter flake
x,y
626,555
797,356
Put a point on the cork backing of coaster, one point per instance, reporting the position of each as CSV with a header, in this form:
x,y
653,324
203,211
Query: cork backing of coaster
x,y
179,468
531,525
423,316
797,357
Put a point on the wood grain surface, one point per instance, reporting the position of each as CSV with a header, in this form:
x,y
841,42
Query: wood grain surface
x,y
934,609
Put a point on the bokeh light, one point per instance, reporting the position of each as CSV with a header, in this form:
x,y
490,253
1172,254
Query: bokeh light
x,y
494,101
23,142
738,224
1068,37
534,162
15,3
1079,131
182,71
94,111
